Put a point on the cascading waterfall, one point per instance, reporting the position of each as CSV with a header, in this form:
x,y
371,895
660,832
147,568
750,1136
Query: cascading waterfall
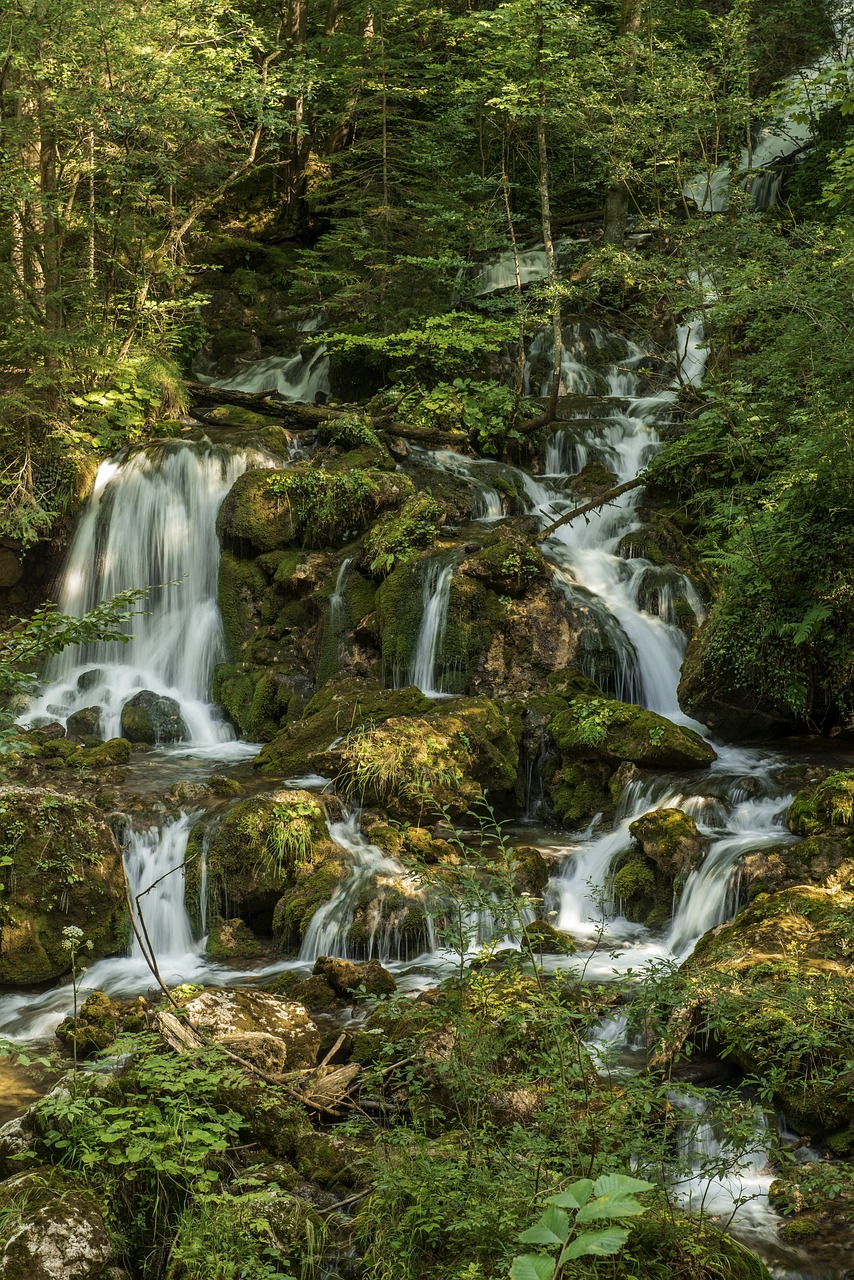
x,y
298,378
151,521
154,865
436,594
328,931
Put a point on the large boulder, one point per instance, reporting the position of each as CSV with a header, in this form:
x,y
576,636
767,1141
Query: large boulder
x,y
253,853
600,728
57,1233
823,815
153,718
772,990
225,1015
345,977
64,870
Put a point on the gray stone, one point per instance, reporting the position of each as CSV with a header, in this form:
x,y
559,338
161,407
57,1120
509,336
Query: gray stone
x,y
153,718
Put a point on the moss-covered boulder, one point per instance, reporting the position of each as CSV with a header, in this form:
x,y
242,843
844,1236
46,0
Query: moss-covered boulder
x,y
601,728
94,1028
252,853
669,838
153,718
398,536
345,977
507,561
543,938
772,990
306,505
579,790
53,1227
233,940
829,805
711,691
444,760
339,708
313,885
61,867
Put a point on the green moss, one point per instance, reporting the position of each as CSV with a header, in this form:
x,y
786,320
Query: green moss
x,y
507,562
65,870
397,537
337,709
242,584
543,938
313,887
236,1234
671,840
830,804
474,616
612,731
400,607
579,791
253,853
449,757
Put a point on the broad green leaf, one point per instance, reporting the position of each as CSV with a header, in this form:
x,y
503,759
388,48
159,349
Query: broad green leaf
x,y
596,1243
532,1266
613,1205
552,1228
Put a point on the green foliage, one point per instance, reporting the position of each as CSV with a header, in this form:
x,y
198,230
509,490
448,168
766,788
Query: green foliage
x,y
592,719
396,538
328,507
612,1197
486,411
291,831
441,345
143,389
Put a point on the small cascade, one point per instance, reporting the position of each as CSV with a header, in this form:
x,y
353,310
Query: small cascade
x,y
328,933
154,865
428,648
151,521
299,378
336,600
709,897
487,503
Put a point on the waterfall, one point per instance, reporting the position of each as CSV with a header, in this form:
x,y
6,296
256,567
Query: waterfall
x,y
297,378
428,648
154,862
150,521
336,600
329,928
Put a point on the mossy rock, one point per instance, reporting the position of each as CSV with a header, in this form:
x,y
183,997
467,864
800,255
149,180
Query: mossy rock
x,y
64,870
153,718
346,978
710,692
306,505
54,1225
446,759
641,891
252,853
579,790
260,700
241,591
543,938
605,729
398,536
314,884
669,838
233,940
337,709
507,562
830,805
784,957
94,1028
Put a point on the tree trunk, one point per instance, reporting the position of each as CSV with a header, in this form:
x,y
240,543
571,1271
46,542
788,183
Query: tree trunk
x,y
545,212
617,199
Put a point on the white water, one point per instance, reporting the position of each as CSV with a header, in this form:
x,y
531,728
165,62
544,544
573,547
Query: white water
x,y
151,521
426,663
329,929
298,378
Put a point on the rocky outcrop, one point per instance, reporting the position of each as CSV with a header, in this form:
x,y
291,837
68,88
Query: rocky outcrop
x,y
58,1233
61,868
226,1016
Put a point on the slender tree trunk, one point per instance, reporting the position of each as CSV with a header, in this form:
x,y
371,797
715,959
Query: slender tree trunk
x,y
545,211
617,199
520,356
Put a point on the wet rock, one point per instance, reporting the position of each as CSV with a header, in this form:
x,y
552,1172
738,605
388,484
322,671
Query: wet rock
x,y
732,711
17,1145
543,938
84,723
153,718
219,1014
254,853
184,793
94,1029
345,977
600,728
233,940
60,1233
223,786
670,839
66,871
11,569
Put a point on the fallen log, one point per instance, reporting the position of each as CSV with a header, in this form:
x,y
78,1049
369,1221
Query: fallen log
x,y
610,496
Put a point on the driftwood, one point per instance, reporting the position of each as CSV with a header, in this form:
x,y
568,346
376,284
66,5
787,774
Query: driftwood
x,y
591,506
322,1088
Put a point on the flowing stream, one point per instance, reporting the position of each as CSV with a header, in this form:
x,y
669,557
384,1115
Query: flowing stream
x,y
151,520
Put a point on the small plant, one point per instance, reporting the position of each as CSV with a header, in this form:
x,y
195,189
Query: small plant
x,y
290,835
656,734
593,717
74,941
611,1198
